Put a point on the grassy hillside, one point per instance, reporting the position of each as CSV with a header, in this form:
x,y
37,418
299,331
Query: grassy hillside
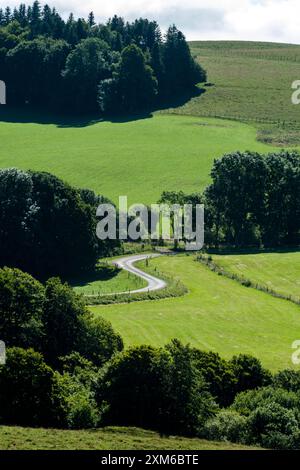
x,y
141,157
95,284
138,158
218,314
101,439
251,81
278,271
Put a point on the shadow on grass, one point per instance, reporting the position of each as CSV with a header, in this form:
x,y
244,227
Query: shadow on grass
x,y
33,115
252,251
100,273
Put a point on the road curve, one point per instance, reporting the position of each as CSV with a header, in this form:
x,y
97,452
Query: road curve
x,y
154,283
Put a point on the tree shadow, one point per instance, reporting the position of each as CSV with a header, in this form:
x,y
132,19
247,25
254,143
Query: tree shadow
x,y
36,115
100,273
181,99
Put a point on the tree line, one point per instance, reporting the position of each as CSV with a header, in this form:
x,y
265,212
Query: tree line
x,y
253,200
68,370
80,66
47,227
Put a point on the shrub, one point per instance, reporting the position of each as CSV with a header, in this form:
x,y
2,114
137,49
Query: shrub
x,y
46,228
21,304
63,316
227,425
218,374
134,386
287,379
79,406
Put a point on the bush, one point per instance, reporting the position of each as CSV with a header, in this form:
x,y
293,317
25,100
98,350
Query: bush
x,y
272,425
247,402
157,389
189,403
218,374
249,373
99,342
70,327
79,405
227,425
26,389
46,227
287,379
21,303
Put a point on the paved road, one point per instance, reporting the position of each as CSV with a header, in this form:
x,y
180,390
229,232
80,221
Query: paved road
x,y
154,283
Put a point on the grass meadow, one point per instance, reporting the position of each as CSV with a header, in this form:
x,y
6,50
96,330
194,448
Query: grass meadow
x,y
217,314
112,438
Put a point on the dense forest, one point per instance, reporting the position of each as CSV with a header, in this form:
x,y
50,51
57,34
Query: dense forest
x,y
80,66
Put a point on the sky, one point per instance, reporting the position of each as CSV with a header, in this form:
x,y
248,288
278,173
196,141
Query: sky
x,y
252,20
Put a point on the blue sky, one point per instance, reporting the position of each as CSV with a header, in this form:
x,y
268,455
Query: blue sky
x,y
257,20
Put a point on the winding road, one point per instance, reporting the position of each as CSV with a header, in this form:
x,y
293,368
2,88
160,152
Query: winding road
x,y
154,283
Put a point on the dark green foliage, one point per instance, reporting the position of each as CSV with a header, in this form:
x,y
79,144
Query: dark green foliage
x,y
33,72
21,306
69,327
180,70
133,86
272,417
26,385
218,374
249,373
288,379
89,63
282,202
134,387
246,402
79,408
63,318
99,342
75,65
156,388
46,228
227,425
254,199
237,196
274,426
189,403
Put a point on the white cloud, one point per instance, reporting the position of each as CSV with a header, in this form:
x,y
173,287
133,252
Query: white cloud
x,y
260,20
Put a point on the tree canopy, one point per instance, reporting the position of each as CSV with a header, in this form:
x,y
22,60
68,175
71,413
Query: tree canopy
x,y
80,66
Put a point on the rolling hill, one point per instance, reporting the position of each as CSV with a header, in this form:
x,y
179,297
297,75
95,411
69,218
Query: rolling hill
x,y
142,156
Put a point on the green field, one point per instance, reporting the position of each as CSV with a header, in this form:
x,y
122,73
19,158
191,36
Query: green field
x,y
251,81
139,158
112,438
218,314
278,271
